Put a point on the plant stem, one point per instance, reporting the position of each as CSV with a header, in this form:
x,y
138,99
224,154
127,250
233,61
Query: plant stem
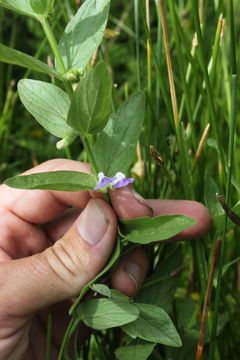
x,y
187,179
210,95
136,19
156,64
49,338
207,300
89,152
232,123
53,43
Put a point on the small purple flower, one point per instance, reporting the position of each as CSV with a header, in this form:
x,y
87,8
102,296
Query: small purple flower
x,y
118,181
103,181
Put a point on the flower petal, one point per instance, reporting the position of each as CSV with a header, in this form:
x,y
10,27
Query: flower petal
x,y
103,183
123,182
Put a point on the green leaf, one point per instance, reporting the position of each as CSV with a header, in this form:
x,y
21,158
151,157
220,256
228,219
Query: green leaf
x,y
101,289
211,201
41,7
110,293
48,104
110,264
91,103
104,313
160,287
150,229
53,180
83,34
116,144
153,324
225,269
20,6
11,56
137,350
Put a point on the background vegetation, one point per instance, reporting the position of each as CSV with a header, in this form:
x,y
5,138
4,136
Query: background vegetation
x,y
191,122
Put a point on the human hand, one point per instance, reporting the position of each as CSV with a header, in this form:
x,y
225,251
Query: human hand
x,y
48,253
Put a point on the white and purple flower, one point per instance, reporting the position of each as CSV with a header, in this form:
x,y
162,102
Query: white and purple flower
x,y
118,181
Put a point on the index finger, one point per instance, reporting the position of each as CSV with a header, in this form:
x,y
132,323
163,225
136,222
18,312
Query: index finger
x,y
129,205
39,206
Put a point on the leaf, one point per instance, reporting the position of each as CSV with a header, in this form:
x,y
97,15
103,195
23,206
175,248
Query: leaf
x,y
213,144
53,180
116,144
137,350
83,34
101,289
153,324
11,56
104,313
20,6
187,311
225,269
160,287
110,293
110,263
42,7
150,229
48,104
211,201
91,103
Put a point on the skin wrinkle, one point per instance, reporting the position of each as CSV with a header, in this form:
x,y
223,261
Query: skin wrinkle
x,y
64,258
21,335
28,239
53,260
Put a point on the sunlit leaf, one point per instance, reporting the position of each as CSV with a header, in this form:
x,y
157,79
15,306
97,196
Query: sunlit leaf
x,y
84,33
53,180
149,229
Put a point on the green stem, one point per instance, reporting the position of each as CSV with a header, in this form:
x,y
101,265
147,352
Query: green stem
x,y
232,116
53,43
89,152
54,46
210,95
136,20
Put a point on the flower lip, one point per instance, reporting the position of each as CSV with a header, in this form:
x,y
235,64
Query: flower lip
x,y
118,181
103,181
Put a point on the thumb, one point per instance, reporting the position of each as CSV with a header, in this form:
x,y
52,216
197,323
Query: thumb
x,y
61,271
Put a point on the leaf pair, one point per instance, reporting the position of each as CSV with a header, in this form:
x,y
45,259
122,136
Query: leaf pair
x,y
150,322
144,321
87,113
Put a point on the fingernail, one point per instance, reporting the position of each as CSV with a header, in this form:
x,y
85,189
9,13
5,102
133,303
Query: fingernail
x,y
92,223
134,272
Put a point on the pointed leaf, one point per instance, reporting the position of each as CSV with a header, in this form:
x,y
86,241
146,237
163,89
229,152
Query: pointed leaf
x,y
84,33
91,103
53,180
101,289
153,324
12,56
20,6
104,313
104,290
48,104
42,7
137,350
116,144
146,230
